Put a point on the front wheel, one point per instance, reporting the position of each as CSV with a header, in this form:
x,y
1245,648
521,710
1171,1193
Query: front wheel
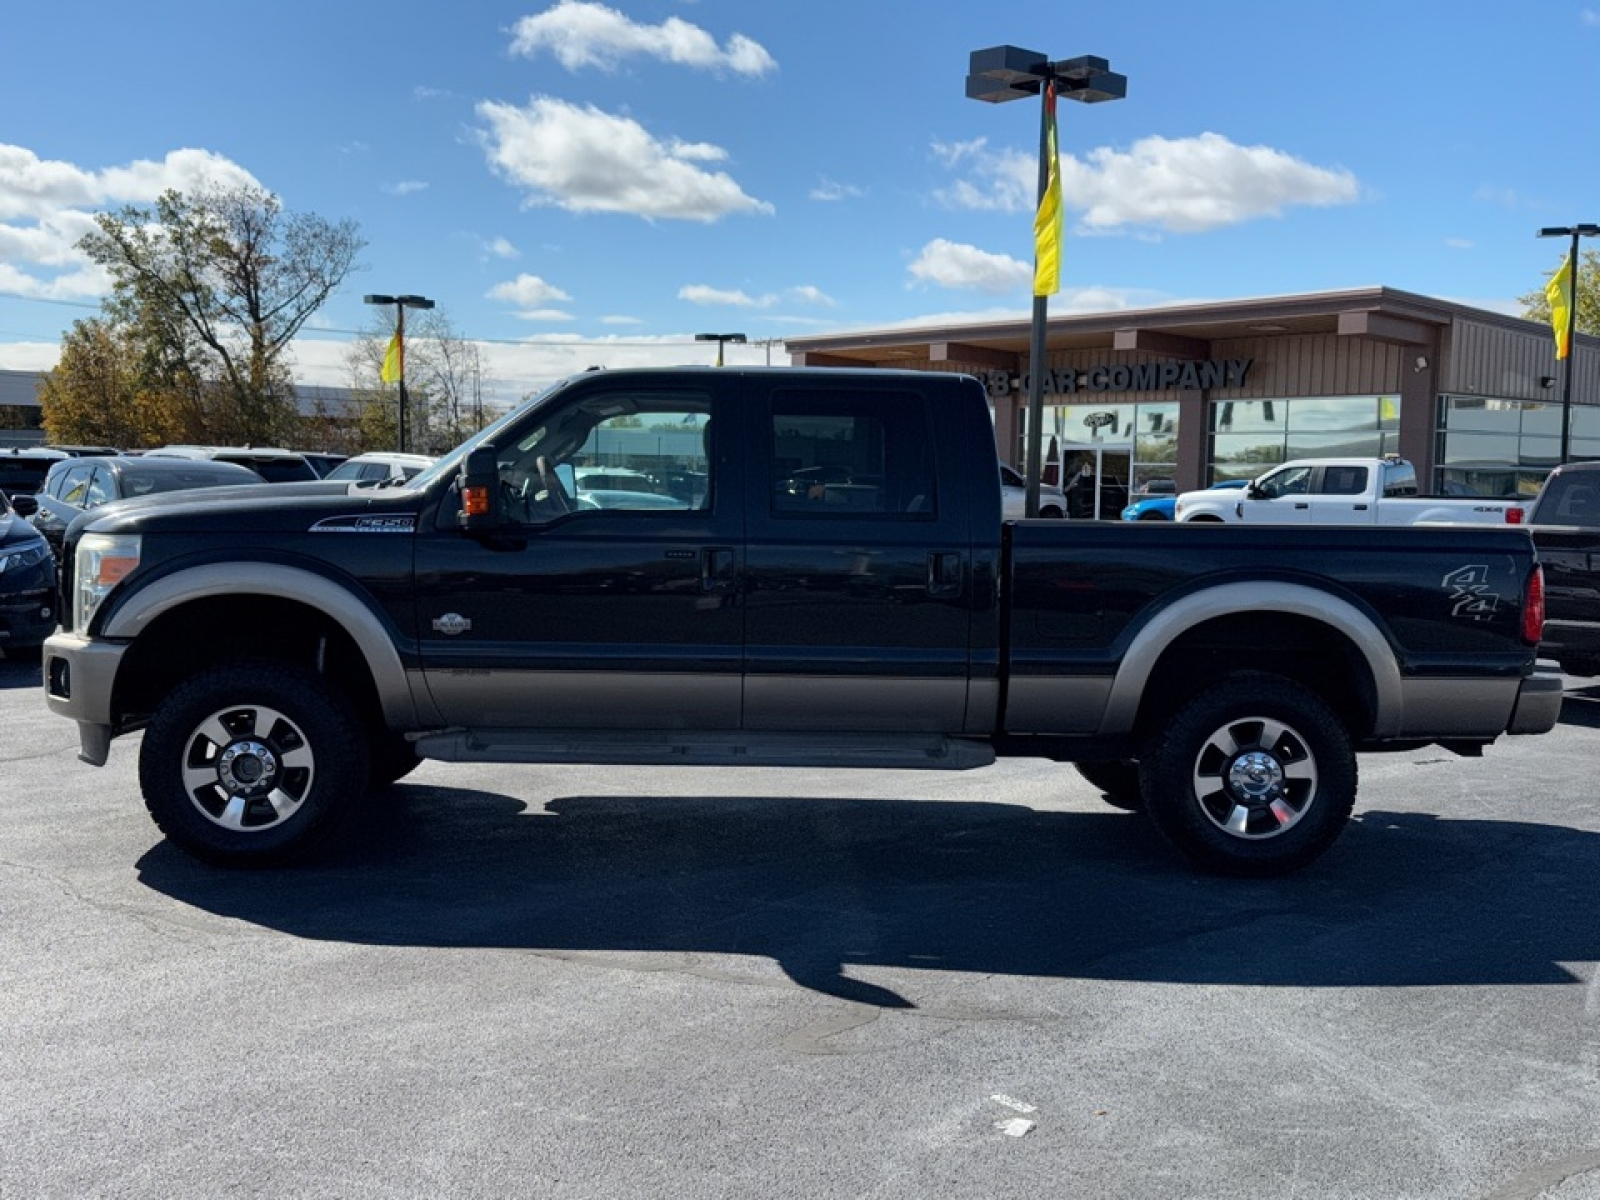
x,y
253,764
1254,776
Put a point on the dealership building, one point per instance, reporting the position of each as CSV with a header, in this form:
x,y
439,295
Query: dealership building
x,y
1205,392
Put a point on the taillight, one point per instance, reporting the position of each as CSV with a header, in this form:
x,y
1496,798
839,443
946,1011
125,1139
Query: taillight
x,y
1513,516
1533,607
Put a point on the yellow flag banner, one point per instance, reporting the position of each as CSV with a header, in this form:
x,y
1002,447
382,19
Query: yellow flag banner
x,y
1559,293
390,372
1047,221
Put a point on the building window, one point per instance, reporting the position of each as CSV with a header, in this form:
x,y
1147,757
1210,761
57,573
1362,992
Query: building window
x,y
1490,446
1249,436
1142,439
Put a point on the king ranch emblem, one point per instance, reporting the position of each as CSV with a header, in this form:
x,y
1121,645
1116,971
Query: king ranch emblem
x,y
451,624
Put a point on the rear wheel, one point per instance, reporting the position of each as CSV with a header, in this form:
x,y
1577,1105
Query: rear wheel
x,y
1254,776
1117,779
253,764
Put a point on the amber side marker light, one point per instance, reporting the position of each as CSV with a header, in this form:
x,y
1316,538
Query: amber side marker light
x,y
475,501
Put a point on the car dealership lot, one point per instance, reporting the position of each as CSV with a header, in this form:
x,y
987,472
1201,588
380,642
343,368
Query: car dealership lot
x,y
617,982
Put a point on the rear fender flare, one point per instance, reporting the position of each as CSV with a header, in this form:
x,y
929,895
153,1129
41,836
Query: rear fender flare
x,y
1230,599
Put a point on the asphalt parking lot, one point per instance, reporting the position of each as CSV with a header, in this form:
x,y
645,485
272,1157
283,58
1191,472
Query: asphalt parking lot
x,y
614,982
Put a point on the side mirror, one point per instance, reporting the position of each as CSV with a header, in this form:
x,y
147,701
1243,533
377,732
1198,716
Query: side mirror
x,y
480,491
1255,493
24,506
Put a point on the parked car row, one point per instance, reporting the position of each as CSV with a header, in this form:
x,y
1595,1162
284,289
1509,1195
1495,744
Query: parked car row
x,y
27,582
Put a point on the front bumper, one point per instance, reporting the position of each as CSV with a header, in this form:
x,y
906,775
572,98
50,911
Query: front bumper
x,y
27,617
1538,706
79,676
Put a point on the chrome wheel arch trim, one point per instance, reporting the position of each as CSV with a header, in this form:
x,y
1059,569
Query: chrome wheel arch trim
x,y
1230,599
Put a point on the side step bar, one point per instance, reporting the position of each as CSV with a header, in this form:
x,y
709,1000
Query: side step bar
x,y
711,749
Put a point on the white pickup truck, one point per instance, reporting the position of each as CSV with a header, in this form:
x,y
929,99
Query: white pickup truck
x,y
1342,491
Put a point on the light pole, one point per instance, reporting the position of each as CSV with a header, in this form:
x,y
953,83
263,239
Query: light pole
x,y
401,303
720,339
1003,73
1574,232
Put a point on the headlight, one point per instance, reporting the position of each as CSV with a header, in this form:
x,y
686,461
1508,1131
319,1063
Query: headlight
x,y
104,560
15,560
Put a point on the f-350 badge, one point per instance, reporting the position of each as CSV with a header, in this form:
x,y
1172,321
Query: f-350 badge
x,y
451,624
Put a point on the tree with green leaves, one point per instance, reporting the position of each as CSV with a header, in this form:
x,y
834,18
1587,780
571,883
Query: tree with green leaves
x,y
215,284
1536,305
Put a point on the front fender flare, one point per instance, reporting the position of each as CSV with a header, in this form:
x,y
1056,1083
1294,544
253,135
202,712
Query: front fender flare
x,y
288,583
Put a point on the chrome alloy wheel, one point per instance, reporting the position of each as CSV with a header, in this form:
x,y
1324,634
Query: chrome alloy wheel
x,y
1255,778
248,768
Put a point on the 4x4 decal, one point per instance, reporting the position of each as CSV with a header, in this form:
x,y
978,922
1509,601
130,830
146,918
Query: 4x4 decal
x,y
1469,593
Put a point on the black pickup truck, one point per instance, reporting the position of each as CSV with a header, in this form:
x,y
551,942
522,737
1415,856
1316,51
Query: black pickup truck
x,y
1566,533
770,567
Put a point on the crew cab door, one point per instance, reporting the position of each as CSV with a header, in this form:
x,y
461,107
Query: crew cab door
x,y
1342,494
858,568
1281,497
595,608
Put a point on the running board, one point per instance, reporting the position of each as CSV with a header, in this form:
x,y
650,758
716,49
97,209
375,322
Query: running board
x,y
683,748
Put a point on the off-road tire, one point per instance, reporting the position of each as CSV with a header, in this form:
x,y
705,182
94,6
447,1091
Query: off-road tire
x,y
253,764
1256,775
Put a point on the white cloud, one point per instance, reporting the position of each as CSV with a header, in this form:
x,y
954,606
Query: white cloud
x,y
585,160
35,187
1181,185
526,290
543,314
582,34
1455,243
405,187
829,190
47,206
699,293
955,265
620,320
806,294
501,248
953,153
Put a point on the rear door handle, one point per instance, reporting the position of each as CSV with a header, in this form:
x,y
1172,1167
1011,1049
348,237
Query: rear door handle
x,y
716,569
944,573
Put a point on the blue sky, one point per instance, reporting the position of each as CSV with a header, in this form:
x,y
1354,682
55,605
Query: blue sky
x,y
577,183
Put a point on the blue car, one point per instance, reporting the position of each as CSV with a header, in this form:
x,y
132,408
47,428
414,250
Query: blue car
x,y
1159,508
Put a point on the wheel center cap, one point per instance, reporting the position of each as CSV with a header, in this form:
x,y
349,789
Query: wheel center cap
x,y
247,766
1255,775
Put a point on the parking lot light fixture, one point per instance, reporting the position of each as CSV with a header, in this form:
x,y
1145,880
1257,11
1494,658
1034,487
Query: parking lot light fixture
x,y
401,303
720,339
1002,73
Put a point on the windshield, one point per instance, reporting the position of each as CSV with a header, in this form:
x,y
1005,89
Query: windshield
x,y
450,463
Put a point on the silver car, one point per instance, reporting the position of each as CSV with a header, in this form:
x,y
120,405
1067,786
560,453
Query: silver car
x,y
1014,496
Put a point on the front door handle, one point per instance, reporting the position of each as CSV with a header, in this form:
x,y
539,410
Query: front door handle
x,y
716,569
944,573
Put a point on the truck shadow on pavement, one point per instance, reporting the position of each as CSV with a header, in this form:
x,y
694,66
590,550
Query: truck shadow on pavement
x,y
833,889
